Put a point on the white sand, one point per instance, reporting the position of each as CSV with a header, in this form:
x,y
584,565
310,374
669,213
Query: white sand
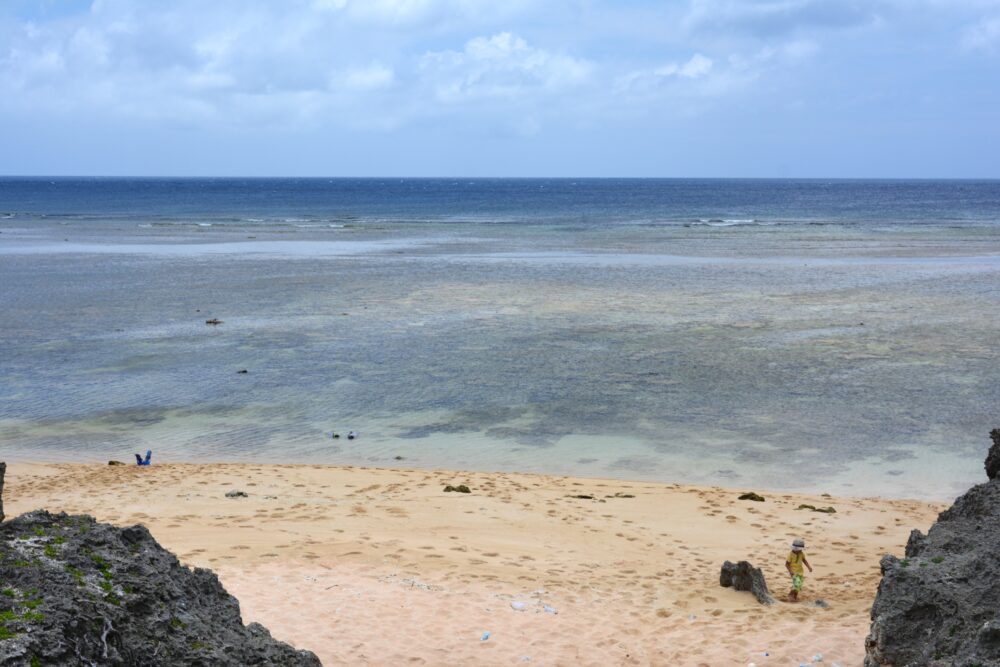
x,y
381,567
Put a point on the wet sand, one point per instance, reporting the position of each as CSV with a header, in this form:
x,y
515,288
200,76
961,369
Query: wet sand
x,y
380,566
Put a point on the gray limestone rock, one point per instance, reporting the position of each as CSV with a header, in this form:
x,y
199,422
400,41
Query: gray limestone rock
x,y
745,577
993,458
940,605
78,592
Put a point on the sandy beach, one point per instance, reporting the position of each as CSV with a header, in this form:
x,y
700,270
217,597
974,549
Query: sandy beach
x,y
382,567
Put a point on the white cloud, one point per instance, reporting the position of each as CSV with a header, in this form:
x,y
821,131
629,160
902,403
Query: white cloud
x,y
329,5
698,66
777,17
983,36
373,76
647,79
411,13
386,63
801,48
500,66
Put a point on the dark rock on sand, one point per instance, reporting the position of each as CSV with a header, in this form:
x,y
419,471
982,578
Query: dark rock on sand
x,y
116,463
813,508
235,493
461,488
745,577
756,497
77,592
940,605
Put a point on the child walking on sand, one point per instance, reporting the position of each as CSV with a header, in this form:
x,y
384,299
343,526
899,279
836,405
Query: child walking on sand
x,y
796,559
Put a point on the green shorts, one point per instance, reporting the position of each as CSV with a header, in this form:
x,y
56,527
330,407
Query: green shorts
x,y
797,580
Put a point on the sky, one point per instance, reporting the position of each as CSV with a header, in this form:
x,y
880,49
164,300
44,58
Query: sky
x,y
584,88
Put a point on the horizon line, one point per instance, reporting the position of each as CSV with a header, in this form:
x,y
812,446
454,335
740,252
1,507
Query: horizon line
x,y
495,177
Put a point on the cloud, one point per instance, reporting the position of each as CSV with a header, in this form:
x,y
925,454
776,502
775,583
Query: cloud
x,y
983,36
237,62
645,79
698,66
777,17
384,64
412,13
500,66
373,76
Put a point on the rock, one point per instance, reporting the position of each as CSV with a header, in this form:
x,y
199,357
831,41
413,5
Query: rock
x,y
745,577
583,496
242,371
993,457
3,471
939,605
826,510
116,463
237,494
461,488
213,321
398,458
756,497
78,592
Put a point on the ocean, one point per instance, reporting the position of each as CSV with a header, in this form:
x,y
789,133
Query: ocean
x,y
807,335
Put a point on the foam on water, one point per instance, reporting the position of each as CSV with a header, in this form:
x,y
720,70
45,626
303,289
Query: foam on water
x,y
280,248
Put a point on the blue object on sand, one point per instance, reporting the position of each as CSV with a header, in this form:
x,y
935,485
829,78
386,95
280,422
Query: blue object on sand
x,y
486,635
144,461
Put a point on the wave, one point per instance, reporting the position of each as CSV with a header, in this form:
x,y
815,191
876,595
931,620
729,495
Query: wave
x,y
731,222
335,223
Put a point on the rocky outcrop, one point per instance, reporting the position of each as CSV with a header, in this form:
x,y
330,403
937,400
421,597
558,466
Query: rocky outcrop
x,y
940,605
745,577
77,592
993,459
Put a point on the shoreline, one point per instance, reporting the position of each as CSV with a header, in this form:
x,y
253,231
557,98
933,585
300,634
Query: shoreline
x,y
380,566
382,464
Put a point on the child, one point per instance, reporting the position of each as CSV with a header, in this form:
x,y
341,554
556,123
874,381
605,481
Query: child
x,y
796,559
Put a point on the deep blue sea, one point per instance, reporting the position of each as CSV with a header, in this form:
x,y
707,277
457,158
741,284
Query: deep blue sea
x,y
505,201
798,334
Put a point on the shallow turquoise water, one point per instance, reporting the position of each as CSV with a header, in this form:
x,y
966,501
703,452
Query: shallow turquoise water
x,y
844,358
